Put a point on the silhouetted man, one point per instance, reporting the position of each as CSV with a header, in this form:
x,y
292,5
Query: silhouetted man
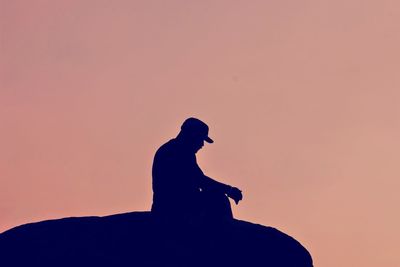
x,y
180,189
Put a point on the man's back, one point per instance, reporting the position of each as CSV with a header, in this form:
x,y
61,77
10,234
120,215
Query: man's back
x,y
176,178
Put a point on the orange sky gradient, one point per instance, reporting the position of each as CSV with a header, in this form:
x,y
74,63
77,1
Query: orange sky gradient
x,y
302,100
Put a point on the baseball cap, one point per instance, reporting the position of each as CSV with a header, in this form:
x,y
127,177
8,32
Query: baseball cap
x,y
196,127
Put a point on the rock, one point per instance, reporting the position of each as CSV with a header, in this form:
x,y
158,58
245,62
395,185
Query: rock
x,y
138,239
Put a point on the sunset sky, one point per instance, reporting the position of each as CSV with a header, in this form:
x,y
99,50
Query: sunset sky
x,y
302,98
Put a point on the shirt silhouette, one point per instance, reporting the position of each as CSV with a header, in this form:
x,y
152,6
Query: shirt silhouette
x,y
180,188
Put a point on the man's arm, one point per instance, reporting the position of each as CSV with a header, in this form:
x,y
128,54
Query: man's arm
x,y
208,183
232,192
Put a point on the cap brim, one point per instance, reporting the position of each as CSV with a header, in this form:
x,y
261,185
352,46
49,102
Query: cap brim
x,y
208,140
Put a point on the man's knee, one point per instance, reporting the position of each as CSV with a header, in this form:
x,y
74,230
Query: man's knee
x,y
217,204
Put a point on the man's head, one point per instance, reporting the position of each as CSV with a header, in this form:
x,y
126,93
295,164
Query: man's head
x,y
194,132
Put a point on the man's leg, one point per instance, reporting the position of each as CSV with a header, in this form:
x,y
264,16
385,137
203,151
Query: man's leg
x,y
216,205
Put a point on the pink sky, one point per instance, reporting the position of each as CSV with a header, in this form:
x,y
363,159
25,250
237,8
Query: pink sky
x,y
302,98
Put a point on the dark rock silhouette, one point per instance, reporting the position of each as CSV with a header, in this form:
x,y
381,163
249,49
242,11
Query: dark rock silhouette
x,y
137,239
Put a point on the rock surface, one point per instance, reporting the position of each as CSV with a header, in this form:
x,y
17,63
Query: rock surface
x,y
137,239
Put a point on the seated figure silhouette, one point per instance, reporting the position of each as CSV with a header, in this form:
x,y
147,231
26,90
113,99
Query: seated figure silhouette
x,y
180,188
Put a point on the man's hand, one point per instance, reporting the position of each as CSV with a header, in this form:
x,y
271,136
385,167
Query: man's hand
x,y
235,194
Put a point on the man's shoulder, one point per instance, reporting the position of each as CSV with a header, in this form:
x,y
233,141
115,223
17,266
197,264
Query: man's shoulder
x,y
171,144
173,148
168,147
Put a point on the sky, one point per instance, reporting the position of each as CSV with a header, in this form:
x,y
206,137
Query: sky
x,y
301,96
